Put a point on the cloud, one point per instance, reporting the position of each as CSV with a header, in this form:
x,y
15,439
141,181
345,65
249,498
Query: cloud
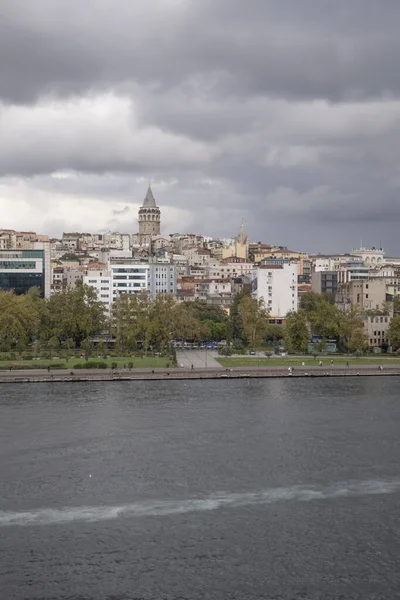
x,y
286,114
99,133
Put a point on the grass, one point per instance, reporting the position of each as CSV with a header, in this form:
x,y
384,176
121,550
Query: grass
x,y
292,361
152,362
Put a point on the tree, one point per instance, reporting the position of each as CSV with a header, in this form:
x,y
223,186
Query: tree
x,y
53,343
185,325
396,306
394,333
75,313
275,333
352,332
236,325
161,321
87,347
254,319
19,320
297,334
131,320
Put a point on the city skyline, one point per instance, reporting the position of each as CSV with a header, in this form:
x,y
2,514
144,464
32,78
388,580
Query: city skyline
x,y
284,116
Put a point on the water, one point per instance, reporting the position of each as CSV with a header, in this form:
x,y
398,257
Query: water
x,y
271,489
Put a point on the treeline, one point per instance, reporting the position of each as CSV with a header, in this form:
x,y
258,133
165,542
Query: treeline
x,y
72,317
319,316
69,318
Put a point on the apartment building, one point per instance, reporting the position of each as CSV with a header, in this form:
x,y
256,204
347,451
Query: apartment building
x,y
376,329
277,285
369,294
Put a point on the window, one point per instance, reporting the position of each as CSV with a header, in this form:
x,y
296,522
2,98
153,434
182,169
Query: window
x,y
366,295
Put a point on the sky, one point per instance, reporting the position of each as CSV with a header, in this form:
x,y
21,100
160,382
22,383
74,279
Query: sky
x,y
285,114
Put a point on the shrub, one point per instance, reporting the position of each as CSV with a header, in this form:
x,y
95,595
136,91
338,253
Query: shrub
x,y
77,366
101,364
225,351
114,365
130,365
91,364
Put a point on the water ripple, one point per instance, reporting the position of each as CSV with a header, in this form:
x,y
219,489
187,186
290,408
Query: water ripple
x,y
91,514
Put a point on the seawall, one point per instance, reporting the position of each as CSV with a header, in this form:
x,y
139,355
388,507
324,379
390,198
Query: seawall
x,y
81,375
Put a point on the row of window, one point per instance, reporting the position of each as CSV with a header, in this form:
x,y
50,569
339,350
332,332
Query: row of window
x,y
14,266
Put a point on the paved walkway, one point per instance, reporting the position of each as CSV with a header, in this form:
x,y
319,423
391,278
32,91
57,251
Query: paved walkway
x,y
200,359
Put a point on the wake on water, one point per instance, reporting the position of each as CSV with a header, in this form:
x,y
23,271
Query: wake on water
x,y
90,514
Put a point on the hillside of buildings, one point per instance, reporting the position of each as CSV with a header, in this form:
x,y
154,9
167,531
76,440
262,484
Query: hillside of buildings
x,y
356,309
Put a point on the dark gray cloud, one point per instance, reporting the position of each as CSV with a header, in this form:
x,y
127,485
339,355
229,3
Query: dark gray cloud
x,y
284,113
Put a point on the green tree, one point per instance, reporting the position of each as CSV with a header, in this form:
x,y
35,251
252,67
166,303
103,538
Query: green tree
x,y
323,317
396,306
274,333
19,320
161,321
254,320
394,333
352,332
185,325
131,320
87,347
75,313
236,324
53,343
297,334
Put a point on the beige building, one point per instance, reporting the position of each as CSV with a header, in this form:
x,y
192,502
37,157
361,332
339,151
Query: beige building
x,y
149,221
367,294
7,239
376,329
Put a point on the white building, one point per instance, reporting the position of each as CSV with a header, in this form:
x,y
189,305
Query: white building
x,y
371,256
101,282
277,286
132,277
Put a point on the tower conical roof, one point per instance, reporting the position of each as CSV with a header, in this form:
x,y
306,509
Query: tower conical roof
x,y
149,201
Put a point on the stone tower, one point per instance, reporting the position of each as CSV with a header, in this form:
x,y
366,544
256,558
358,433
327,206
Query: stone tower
x,y
242,244
149,221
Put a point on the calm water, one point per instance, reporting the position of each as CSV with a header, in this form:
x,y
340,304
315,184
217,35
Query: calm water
x,y
279,489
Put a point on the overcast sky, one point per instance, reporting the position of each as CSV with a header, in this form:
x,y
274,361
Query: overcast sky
x,y
284,113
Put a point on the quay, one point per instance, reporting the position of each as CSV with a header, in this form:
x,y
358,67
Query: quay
x,y
136,374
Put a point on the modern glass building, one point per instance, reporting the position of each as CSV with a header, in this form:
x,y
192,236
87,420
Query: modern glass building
x,y
21,270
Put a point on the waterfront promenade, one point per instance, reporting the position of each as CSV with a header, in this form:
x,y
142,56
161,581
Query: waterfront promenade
x,y
60,375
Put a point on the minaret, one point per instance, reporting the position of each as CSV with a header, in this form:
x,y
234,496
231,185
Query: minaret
x,y
149,220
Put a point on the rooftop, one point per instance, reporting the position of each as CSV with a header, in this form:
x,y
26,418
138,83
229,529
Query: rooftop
x,y
149,201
